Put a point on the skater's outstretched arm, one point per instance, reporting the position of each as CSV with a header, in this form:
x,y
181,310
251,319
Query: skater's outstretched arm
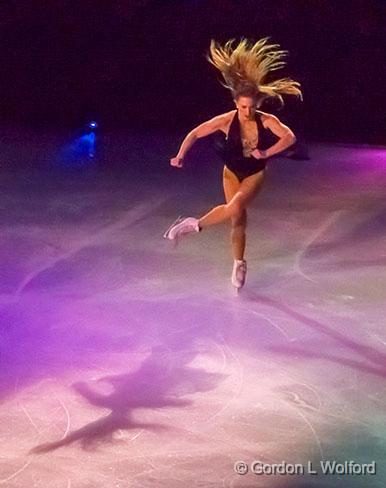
x,y
220,122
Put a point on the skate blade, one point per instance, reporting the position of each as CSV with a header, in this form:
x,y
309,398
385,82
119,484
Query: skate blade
x,y
237,288
177,221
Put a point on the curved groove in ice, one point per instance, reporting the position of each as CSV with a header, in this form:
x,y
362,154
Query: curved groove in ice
x,y
68,419
241,380
29,418
298,411
310,240
130,218
5,480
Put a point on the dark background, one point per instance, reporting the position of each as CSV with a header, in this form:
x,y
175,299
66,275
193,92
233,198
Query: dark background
x,y
141,64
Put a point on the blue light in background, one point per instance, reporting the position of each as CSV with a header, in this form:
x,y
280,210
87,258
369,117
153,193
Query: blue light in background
x,y
82,147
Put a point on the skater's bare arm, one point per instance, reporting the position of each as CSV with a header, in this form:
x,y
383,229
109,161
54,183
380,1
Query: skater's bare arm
x,y
209,127
284,133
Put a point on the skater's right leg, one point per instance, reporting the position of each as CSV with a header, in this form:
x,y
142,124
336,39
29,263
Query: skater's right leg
x,y
238,223
238,237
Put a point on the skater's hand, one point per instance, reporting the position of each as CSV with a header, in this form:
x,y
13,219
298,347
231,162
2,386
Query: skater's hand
x,y
258,154
177,162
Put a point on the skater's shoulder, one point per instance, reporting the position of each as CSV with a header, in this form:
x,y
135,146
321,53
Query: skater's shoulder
x,y
225,117
223,121
229,115
264,116
219,122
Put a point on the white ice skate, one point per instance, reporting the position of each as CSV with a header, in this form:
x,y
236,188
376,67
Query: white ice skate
x,y
183,225
239,273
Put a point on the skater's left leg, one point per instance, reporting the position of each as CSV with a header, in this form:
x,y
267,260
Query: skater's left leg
x,y
247,190
240,196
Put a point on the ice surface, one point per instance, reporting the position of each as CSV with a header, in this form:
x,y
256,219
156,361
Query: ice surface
x,y
128,363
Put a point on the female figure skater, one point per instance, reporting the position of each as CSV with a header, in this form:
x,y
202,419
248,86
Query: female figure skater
x,y
244,138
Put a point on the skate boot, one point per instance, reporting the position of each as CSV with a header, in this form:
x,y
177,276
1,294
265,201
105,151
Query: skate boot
x,y
239,273
183,225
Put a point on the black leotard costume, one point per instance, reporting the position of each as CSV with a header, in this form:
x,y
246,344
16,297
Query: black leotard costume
x,y
230,148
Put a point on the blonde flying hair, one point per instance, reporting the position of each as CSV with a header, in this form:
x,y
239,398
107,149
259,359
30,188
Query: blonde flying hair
x,y
245,69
